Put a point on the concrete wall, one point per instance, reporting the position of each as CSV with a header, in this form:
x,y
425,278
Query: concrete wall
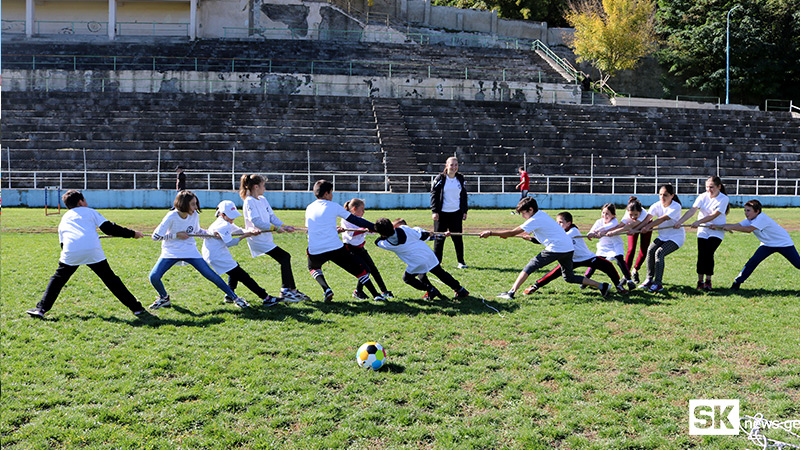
x,y
297,84
34,198
214,15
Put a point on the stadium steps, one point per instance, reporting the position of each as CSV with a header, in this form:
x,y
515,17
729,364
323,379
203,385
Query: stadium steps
x,y
396,144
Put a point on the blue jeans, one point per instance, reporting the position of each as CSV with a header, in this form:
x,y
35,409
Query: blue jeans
x,y
163,265
761,254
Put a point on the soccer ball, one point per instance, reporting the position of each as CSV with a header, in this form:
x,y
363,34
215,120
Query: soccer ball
x,y
371,355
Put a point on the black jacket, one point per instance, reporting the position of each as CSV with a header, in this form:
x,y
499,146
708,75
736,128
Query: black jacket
x,y
437,193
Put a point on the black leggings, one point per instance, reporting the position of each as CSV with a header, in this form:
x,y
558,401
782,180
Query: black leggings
x,y
285,260
705,254
421,282
64,272
453,222
237,274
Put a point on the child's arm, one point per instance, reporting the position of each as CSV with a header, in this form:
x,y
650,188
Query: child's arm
x,y
503,234
655,223
686,217
639,227
112,229
360,221
161,233
733,227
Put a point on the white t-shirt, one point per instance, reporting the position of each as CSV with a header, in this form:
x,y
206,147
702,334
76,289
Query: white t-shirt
x,y
674,212
259,210
173,247
215,251
414,252
628,218
547,231
582,252
321,218
708,206
608,246
77,233
451,194
352,238
768,231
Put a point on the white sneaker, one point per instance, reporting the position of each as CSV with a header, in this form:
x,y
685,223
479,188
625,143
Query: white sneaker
x,y
241,303
506,295
161,302
462,266
293,296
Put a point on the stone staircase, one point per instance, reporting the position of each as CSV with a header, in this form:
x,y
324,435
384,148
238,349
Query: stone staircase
x,y
397,147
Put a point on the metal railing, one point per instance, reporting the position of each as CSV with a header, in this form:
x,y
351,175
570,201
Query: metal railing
x,y
396,183
98,27
775,104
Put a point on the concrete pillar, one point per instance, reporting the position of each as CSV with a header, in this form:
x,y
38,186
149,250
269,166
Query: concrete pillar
x,y
460,21
192,19
112,19
30,14
494,23
427,20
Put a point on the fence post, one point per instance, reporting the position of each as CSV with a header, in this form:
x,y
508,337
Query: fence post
x,y
85,171
134,181
591,176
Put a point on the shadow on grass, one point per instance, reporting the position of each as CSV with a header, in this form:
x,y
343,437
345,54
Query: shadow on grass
x,y
413,306
760,292
496,269
392,368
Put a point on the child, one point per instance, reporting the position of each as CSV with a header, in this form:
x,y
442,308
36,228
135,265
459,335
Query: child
x,y
582,257
354,242
610,246
449,208
408,244
667,211
557,247
323,240
258,215
80,244
772,236
713,206
216,253
634,215
524,182
178,247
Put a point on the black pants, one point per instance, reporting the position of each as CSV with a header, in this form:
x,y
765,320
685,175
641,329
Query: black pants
x,y
421,282
237,274
64,272
285,260
342,258
705,254
453,222
360,253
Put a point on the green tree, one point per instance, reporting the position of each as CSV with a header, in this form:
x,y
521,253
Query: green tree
x,y
764,47
612,35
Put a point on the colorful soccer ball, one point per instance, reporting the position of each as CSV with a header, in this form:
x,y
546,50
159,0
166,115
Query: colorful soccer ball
x,y
371,355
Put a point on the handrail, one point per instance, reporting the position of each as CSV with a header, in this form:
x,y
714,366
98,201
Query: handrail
x,y
400,182
789,104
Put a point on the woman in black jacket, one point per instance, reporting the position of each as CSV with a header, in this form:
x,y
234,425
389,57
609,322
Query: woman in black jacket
x,y
449,207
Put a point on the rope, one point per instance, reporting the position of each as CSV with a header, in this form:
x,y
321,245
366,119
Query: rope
x,y
760,424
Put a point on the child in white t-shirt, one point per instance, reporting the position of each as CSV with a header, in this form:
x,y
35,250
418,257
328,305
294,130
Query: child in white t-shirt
x,y
557,247
665,212
258,215
713,206
216,254
774,239
610,246
80,245
178,247
353,237
408,244
324,244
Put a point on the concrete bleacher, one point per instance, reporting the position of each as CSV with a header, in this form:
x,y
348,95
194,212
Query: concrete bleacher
x,y
285,56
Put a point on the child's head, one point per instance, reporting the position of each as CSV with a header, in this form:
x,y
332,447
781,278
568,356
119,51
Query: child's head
x,y
634,205
322,188
384,227
71,198
608,212
528,204
451,165
752,209
228,209
183,202
714,187
666,192
564,219
355,206
179,169
520,169
248,183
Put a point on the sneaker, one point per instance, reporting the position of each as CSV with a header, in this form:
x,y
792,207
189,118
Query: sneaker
x,y
631,285
328,295
36,312
646,284
462,266
708,285
379,298
271,301
635,276
621,287
144,315
228,299
655,288
360,295
700,286
161,302
461,293
506,295
734,287
387,294
531,289
584,286
241,303
605,288
432,294
293,296
426,296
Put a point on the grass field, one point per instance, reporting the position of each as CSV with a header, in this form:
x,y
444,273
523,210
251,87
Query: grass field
x,y
563,368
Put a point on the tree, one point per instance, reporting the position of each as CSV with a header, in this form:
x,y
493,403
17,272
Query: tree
x,y
612,35
550,11
764,47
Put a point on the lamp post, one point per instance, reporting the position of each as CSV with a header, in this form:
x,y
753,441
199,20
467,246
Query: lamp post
x,y
728,53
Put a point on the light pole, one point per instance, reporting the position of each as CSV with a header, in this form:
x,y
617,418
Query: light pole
x,y
728,53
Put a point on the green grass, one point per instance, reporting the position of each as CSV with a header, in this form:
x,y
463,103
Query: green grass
x,y
563,368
